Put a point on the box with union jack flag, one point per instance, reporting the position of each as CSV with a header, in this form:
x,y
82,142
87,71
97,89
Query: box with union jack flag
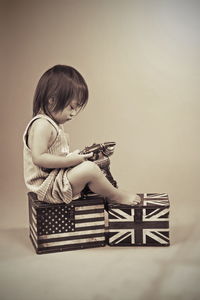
x,y
61,227
145,224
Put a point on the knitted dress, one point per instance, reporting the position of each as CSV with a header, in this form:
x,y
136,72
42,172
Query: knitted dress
x,y
50,185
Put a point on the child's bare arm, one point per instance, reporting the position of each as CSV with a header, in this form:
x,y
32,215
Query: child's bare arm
x,y
41,135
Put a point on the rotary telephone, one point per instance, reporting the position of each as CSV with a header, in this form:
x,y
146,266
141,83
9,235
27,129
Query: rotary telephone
x,y
101,153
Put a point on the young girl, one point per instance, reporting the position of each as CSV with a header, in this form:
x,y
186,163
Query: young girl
x,y
50,170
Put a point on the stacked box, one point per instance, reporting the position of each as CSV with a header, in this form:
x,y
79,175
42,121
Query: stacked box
x,y
145,224
61,227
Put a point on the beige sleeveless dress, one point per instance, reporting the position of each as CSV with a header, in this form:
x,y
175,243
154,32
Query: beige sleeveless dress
x,y
50,185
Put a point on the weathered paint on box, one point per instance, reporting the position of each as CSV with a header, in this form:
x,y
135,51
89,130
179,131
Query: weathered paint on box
x,y
145,224
62,227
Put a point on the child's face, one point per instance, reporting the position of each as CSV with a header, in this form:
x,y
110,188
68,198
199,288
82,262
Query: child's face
x,y
67,113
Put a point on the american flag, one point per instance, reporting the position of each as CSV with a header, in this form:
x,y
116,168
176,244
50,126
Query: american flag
x,y
60,227
144,225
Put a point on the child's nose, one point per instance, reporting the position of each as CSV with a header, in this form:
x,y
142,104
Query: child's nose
x,y
73,112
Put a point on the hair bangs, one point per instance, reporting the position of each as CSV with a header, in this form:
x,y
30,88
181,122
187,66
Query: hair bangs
x,y
82,95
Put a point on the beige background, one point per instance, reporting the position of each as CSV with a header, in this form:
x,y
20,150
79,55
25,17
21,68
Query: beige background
x,y
141,62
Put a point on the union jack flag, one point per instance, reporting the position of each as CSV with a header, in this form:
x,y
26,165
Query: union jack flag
x,y
60,227
146,224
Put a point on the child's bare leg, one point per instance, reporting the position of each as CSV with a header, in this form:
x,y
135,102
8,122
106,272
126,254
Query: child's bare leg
x,y
89,173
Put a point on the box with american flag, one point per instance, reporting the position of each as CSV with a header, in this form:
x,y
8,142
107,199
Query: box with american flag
x,y
145,224
62,227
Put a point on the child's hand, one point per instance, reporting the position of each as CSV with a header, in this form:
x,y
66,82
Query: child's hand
x,y
77,158
85,156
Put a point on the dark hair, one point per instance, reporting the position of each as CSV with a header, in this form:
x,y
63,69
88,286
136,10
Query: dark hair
x,y
62,84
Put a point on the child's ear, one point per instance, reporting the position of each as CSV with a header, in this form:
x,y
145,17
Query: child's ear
x,y
51,103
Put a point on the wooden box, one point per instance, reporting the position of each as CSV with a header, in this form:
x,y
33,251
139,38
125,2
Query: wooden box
x,y
61,227
145,224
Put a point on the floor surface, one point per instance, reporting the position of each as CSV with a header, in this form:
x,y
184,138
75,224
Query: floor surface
x,y
129,273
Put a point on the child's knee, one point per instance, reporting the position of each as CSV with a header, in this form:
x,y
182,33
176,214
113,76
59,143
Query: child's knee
x,y
91,168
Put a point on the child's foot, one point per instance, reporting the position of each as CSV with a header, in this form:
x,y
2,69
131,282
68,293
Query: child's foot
x,y
125,198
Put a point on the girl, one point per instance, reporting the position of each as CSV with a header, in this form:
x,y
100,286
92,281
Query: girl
x,y
50,170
